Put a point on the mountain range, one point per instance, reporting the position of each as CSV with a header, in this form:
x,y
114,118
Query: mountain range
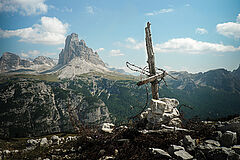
x,y
40,97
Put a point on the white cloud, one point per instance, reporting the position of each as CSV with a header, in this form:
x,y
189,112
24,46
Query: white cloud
x,y
154,13
116,52
31,53
133,44
50,54
24,55
190,46
131,40
201,31
230,29
24,7
99,49
50,31
238,18
34,52
90,9
187,5
167,68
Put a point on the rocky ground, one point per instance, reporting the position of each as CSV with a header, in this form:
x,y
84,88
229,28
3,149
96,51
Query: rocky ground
x,y
199,140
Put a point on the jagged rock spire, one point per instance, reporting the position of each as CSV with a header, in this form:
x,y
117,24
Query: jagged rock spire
x,y
75,48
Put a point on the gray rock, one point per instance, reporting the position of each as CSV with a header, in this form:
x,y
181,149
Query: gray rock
x,y
199,155
55,139
40,60
101,152
217,135
189,143
183,155
107,158
71,138
223,154
6,152
32,142
160,153
236,148
174,148
206,148
44,142
228,139
9,61
180,142
213,142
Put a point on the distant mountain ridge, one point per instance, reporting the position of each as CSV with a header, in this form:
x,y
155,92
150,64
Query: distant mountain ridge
x,y
219,79
10,62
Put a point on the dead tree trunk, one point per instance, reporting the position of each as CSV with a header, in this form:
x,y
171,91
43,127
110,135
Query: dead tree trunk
x,y
151,61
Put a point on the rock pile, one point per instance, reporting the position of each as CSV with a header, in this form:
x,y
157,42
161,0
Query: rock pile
x,y
162,111
204,141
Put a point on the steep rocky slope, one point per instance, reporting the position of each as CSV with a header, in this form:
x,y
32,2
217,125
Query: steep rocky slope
x,y
30,107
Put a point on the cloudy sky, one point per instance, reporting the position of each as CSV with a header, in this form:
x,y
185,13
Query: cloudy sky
x,y
190,35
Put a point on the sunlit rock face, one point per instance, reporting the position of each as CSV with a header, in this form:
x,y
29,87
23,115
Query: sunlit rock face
x,y
75,48
76,59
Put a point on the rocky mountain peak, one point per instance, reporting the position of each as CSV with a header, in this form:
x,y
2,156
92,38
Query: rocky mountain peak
x,y
75,48
82,43
9,61
237,72
44,60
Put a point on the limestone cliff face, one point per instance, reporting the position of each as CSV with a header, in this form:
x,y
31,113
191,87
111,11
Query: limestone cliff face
x,y
42,60
76,59
28,108
75,48
32,108
9,61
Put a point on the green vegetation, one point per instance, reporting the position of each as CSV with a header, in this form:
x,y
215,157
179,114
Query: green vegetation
x,y
43,77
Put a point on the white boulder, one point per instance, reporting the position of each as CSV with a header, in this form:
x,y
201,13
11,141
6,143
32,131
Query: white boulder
x,y
107,127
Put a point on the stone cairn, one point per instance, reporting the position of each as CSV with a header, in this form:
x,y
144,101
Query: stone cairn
x,y
162,111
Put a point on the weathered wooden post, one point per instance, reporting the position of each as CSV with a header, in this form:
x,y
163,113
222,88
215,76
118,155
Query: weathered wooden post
x,y
161,110
151,61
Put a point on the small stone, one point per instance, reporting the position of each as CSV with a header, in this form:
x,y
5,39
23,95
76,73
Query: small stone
x,y
6,152
236,148
107,127
79,149
228,139
189,143
116,152
199,155
213,142
159,152
43,142
101,152
174,148
55,139
183,155
181,142
222,154
107,158
217,135
31,142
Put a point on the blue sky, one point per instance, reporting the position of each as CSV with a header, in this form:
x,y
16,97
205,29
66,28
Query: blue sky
x,y
188,35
